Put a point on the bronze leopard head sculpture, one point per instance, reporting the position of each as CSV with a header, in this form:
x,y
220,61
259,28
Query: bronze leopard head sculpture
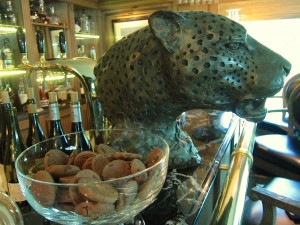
x,y
182,61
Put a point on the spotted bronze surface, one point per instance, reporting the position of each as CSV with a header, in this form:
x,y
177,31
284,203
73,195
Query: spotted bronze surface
x,y
182,61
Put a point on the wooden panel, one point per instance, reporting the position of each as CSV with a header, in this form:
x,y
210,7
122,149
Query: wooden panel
x,y
84,3
263,10
106,5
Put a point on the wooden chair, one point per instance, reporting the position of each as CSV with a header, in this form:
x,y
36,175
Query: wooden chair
x,y
280,193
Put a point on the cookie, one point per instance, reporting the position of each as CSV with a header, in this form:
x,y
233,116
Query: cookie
x,y
96,191
55,157
136,166
45,194
88,163
85,173
94,210
62,170
63,195
67,179
106,150
155,155
99,162
126,156
81,157
116,169
72,157
76,196
127,195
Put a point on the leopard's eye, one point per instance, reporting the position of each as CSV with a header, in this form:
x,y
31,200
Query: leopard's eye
x,y
233,46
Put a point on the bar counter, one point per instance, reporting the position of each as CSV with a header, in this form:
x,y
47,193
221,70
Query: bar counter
x,y
189,196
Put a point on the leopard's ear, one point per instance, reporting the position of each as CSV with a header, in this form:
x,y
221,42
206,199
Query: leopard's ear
x,y
166,26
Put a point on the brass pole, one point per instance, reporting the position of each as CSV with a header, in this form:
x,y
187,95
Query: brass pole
x,y
230,205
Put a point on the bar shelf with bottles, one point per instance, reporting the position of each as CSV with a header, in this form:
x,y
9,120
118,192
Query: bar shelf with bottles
x,y
9,60
45,15
8,27
62,26
86,32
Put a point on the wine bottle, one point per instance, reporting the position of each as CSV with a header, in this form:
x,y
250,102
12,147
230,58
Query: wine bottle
x,y
2,125
56,128
84,22
22,95
44,101
78,140
93,52
53,18
13,147
10,16
2,131
42,14
7,55
35,131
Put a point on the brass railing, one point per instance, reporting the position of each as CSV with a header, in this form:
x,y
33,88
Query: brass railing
x,y
230,205
82,68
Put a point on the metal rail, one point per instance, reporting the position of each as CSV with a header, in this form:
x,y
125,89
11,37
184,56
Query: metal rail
x,y
82,69
230,205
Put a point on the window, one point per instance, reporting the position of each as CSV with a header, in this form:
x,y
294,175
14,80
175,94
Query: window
x,y
283,37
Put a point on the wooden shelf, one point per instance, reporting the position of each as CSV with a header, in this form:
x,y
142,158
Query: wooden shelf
x,y
86,36
14,72
63,26
7,29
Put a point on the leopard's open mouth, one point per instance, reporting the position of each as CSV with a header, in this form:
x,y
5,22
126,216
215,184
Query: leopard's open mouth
x,y
252,109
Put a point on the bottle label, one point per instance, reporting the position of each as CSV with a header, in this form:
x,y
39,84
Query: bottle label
x,y
15,192
3,181
32,108
44,103
75,113
54,111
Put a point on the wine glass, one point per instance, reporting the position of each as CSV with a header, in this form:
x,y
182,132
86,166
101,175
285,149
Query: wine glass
x,y
91,199
10,213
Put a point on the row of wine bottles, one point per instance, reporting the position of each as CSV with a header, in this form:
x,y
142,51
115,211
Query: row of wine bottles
x,y
12,143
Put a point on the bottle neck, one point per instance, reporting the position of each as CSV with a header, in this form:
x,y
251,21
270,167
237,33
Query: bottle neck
x,y
9,6
31,106
75,113
11,118
76,127
54,111
12,129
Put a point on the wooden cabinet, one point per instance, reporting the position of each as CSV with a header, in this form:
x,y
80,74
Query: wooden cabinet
x,y
106,11
66,11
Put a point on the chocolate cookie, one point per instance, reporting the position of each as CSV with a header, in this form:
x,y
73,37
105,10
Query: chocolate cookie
x,y
55,157
96,191
116,169
81,157
45,194
94,209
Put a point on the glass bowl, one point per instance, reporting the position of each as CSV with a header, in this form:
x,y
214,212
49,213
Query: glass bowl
x,y
111,184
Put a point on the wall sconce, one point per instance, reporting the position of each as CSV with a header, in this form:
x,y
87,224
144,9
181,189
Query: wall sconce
x,y
196,2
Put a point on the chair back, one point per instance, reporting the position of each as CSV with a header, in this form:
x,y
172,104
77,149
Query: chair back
x,y
294,111
289,87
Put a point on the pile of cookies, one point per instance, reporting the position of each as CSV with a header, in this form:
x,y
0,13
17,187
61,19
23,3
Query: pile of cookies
x,y
94,183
